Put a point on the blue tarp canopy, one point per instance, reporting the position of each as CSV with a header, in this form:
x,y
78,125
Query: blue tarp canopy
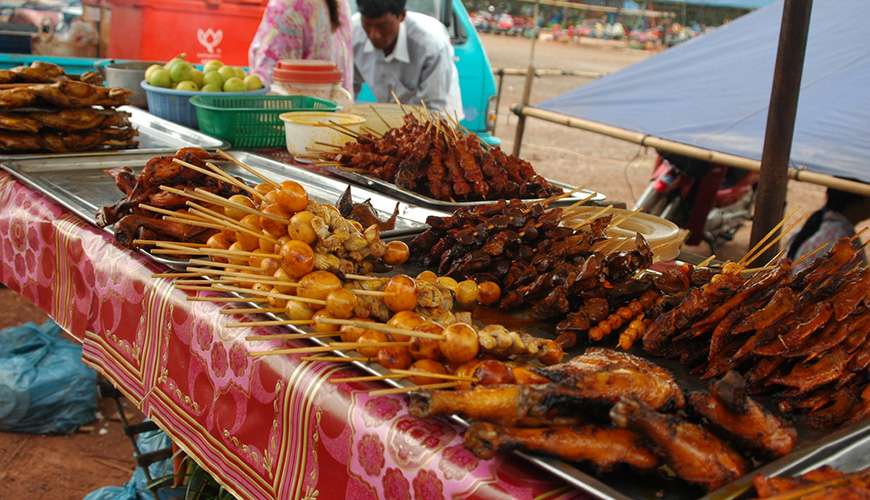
x,y
713,91
737,4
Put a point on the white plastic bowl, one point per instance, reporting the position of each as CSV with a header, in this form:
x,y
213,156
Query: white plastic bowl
x,y
305,129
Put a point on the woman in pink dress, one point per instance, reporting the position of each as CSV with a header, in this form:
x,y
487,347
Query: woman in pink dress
x,y
303,29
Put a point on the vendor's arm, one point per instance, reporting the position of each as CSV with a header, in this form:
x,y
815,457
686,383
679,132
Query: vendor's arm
x,y
435,77
280,36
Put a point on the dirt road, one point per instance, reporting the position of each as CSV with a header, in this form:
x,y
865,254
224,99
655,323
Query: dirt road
x,y
617,168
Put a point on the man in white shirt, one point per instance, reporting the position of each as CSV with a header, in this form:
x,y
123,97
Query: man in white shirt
x,y
406,53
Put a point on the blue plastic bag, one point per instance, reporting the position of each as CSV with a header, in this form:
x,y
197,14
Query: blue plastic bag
x,y
136,487
44,387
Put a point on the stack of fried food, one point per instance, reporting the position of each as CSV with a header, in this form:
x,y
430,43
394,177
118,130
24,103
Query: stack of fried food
x,y
561,270
608,409
430,155
824,483
803,339
44,110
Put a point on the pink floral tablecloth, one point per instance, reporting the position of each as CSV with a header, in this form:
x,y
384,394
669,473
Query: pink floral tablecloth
x,y
264,427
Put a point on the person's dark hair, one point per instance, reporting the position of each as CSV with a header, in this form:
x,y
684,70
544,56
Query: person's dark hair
x,y
377,8
837,201
332,7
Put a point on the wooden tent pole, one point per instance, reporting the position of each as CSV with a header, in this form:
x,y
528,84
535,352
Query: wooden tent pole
x,y
527,87
669,146
773,183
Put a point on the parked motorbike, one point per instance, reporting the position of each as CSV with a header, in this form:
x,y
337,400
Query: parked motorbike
x,y
711,201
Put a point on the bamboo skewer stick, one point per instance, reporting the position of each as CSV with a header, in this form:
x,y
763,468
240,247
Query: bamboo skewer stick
x,y
382,327
224,272
219,252
707,261
235,182
193,222
255,300
810,254
367,378
154,242
274,295
232,223
414,388
328,145
186,194
252,310
375,111
174,275
277,322
338,359
401,106
773,241
256,173
334,126
219,175
760,242
445,376
203,262
219,200
362,277
291,336
335,346
170,213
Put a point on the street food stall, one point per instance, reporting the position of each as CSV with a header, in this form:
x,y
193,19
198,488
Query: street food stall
x,y
406,310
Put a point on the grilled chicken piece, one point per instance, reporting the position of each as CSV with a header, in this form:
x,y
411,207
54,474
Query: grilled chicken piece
x,y
604,447
607,375
696,455
824,483
124,179
504,404
128,229
729,409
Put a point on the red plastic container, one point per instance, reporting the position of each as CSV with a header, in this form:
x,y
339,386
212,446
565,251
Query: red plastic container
x,y
203,29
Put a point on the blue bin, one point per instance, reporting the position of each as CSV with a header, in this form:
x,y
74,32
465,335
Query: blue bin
x,y
174,105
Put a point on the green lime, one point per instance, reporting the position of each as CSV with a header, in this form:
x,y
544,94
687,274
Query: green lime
x,y
187,85
209,87
151,69
227,72
212,66
181,71
198,77
161,78
234,85
213,78
172,61
240,73
253,82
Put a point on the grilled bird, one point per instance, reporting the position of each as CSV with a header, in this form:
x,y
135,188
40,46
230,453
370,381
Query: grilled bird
x,y
696,455
607,375
604,447
728,408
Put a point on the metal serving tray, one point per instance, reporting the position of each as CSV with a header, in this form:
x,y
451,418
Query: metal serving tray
x,y
81,185
847,448
405,194
156,135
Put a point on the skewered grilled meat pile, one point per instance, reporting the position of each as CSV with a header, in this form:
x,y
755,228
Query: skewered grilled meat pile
x,y
608,408
802,339
536,260
48,111
435,159
132,222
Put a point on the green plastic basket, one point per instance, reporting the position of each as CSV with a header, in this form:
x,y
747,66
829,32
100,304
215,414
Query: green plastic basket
x,y
251,122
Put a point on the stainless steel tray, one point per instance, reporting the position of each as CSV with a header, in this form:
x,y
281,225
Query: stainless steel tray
x,y
401,193
156,135
847,448
81,185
